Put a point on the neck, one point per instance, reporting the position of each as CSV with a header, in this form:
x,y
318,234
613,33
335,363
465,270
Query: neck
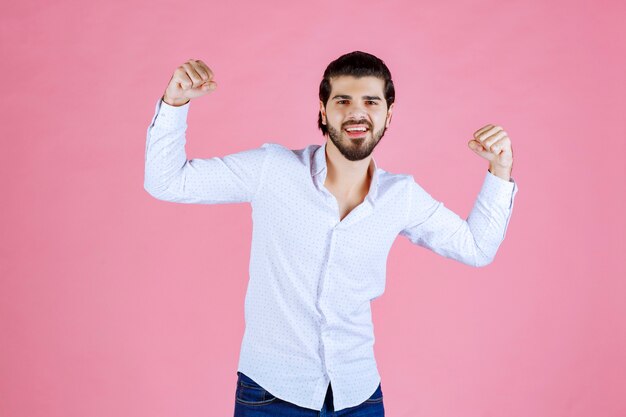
x,y
348,177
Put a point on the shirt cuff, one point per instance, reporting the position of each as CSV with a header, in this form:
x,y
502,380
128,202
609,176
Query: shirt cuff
x,y
499,190
172,116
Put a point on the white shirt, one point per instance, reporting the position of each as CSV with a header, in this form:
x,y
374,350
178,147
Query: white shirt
x,y
312,277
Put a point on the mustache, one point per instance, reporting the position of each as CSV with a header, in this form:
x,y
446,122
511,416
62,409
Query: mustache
x,y
360,122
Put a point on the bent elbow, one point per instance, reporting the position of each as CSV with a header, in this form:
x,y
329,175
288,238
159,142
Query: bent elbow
x,y
159,195
481,262
150,191
483,256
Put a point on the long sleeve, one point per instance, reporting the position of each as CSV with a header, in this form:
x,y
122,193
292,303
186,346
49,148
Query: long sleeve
x,y
474,241
171,177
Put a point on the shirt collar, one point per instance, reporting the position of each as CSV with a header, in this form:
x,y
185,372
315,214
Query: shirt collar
x,y
318,171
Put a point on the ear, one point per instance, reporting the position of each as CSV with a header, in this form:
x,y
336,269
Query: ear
x,y
323,111
389,114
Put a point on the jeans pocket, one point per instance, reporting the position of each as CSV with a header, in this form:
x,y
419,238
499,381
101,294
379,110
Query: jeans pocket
x,y
251,393
377,396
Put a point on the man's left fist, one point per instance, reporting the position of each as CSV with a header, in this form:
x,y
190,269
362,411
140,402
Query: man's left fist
x,y
492,143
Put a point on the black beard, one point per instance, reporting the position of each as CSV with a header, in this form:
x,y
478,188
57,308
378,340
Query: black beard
x,y
355,149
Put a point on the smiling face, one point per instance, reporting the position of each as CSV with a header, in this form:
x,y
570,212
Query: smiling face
x,y
354,104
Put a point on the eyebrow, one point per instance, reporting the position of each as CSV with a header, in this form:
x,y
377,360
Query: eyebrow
x,y
346,97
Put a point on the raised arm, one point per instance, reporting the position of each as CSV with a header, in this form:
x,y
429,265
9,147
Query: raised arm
x,y
474,241
169,175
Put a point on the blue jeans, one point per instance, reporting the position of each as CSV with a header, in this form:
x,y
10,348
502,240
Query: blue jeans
x,y
252,400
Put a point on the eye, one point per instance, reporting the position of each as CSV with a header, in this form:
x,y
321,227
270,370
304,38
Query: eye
x,y
367,101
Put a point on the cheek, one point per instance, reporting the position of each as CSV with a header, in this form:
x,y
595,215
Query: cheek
x,y
336,119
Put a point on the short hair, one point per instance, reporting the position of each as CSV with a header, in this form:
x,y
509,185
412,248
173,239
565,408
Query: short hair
x,y
357,64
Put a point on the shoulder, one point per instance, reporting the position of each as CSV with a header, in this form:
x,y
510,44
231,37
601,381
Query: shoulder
x,y
282,148
390,179
283,153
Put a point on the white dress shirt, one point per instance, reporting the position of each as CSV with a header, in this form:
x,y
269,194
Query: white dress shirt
x,y
307,306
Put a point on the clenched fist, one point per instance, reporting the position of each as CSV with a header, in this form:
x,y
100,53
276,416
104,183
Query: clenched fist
x,y
493,143
192,79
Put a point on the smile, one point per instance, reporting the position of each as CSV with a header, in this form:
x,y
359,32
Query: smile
x,y
356,131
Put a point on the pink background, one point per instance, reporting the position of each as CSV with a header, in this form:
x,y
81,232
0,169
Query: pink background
x,y
113,303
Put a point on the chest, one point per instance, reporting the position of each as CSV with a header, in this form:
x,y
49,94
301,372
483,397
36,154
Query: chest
x,y
347,204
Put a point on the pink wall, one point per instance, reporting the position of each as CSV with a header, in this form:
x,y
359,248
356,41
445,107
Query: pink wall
x,y
113,303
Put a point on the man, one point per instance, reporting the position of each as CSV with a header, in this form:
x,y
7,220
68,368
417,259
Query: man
x,y
324,219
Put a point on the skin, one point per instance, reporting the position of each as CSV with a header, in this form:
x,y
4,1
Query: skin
x,y
493,143
349,160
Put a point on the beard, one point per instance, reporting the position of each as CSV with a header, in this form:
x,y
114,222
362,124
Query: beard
x,y
355,149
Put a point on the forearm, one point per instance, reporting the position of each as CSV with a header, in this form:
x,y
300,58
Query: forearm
x,y
165,148
491,214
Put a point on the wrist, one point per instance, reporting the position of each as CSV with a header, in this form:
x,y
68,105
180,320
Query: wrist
x,y
502,172
175,103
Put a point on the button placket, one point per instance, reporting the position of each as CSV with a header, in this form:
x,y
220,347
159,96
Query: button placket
x,y
325,332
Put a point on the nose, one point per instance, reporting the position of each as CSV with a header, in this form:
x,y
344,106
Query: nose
x,y
357,112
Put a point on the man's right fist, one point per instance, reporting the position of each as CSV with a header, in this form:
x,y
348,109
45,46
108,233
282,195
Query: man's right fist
x,y
190,80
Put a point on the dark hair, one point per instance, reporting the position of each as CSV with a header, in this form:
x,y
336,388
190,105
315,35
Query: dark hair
x,y
357,64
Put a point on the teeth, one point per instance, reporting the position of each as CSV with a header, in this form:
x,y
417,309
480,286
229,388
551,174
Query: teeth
x,y
350,129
